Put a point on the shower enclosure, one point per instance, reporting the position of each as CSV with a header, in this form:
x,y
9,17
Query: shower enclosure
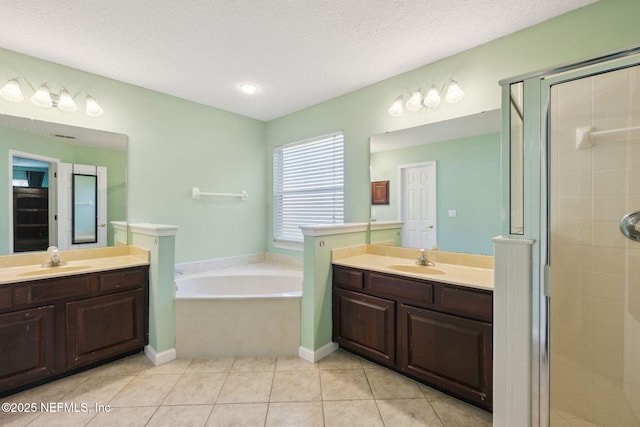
x,y
594,304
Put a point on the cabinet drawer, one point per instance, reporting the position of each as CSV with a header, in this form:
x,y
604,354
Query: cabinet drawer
x,y
413,290
478,305
63,288
347,278
122,279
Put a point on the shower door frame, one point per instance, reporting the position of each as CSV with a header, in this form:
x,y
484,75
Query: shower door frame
x,y
541,380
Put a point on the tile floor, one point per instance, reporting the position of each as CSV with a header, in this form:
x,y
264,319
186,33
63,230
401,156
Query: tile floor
x,y
341,390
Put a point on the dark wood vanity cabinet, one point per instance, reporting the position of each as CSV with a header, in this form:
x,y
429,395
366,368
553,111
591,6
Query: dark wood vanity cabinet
x,y
438,333
51,327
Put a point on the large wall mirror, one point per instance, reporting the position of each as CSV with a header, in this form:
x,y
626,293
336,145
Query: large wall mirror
x,y
444,182
63,185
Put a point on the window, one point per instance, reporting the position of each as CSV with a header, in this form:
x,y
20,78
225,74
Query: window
x,y
308,185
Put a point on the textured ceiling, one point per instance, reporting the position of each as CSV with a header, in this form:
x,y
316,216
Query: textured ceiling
x,y
299,52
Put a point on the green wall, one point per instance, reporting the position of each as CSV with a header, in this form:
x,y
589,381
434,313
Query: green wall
x,y
467,180
175,144
604,26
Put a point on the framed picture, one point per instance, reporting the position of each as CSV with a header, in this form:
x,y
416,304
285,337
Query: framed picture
x,y
380,192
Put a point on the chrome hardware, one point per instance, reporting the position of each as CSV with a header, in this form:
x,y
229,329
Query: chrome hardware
x,y
630,225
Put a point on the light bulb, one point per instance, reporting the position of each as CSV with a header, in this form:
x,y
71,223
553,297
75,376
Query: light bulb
x,y
432,98
396,108
65,103
415,102
93,108
42,97
454,92
11,91
248,88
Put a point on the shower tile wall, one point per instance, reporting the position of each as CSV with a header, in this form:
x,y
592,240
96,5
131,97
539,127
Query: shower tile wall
x,y
595,283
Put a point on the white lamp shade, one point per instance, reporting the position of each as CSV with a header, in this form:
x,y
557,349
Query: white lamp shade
x,y
12,92
66,103
42,97
415,102
454,92
93,108
396,108
432,98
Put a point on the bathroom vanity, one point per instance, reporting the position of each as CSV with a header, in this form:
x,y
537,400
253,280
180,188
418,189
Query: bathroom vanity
x,y
58,320
420,321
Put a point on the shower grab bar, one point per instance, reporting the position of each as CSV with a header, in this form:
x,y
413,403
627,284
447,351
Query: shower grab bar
x,y
585,134
196,193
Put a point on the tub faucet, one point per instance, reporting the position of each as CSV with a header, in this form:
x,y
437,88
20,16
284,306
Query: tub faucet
x,y
422,259
54,257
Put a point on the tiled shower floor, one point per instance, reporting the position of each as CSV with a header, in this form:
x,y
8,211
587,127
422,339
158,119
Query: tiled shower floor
x,y
341,390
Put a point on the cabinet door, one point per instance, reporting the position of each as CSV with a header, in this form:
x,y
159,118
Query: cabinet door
x,y
365,324
447,351
101,327
27,346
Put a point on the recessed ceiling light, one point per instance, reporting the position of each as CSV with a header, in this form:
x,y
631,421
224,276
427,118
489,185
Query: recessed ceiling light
x,y
249,88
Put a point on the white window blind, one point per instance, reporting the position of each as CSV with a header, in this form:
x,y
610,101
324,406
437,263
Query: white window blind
x,y
308,185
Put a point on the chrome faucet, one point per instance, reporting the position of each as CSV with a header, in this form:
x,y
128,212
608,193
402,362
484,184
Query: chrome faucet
x,y
54,257
422,259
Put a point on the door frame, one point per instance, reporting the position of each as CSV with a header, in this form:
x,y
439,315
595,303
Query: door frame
x,y
401,186
52,192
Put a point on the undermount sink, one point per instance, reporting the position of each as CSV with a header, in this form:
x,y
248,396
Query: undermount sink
x,y
48,270
420,269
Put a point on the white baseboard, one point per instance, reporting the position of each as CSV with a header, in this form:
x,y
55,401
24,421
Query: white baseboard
x,y
315,356
159,358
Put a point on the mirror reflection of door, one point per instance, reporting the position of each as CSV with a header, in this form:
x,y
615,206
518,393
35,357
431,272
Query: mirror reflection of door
x,y
32,202
84,212
82,206
418,205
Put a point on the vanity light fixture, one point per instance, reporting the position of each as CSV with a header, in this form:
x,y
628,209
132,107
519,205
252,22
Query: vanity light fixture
x,y
396,108
44,98
429,101
12,91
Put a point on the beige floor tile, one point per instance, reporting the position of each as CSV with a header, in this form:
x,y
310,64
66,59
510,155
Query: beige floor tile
x,y
98,390
246,387
196,389
344,384
181,416
177,366
340,359
17,419
295,364
253,364
131,365
62,419
123,417
50,392
238,414
351,413
146,390
386,384
295,414
213,365
409,413
461,414
431,393
295,386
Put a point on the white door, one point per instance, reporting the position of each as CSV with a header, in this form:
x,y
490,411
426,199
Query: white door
x,y
65,208
418,205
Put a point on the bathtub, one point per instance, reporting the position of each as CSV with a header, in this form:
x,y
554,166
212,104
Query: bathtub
x,y
249,310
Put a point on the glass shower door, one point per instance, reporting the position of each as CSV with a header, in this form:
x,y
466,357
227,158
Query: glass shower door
x,y
594,181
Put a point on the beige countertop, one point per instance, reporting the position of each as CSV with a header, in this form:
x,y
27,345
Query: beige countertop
x,y
25,267
475,271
